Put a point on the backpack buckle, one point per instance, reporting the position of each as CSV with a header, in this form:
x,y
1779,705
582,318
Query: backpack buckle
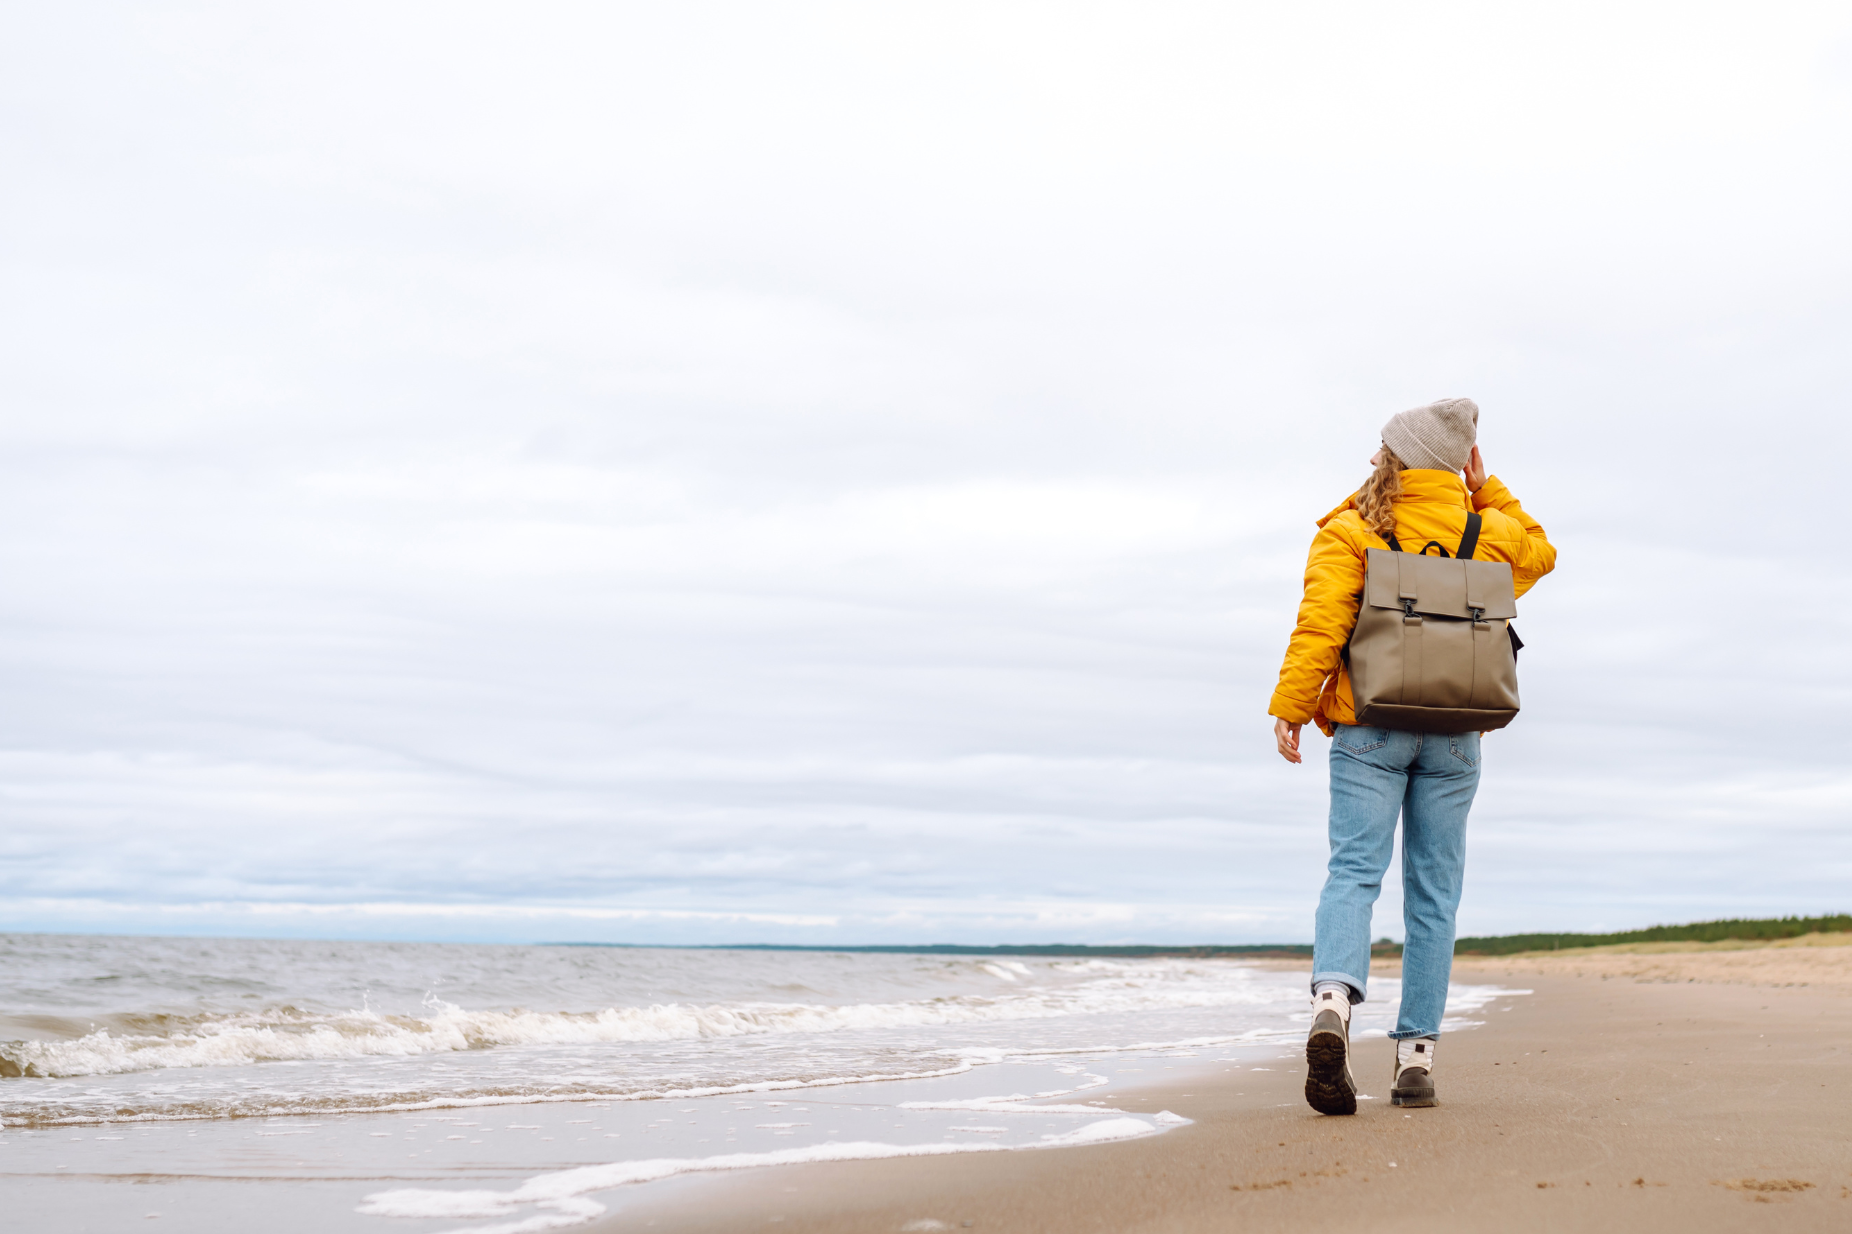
x,y
1478,615
1408,606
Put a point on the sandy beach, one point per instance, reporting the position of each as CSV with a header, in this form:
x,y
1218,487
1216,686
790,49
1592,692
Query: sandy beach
x,y
1818,961
1669,1087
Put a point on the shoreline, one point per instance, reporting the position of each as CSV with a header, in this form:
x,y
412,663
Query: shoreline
x,y
464,1164
1737,1043
1688,1098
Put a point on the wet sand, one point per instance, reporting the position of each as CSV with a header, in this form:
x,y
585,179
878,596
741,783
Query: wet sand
x,y
1676,1089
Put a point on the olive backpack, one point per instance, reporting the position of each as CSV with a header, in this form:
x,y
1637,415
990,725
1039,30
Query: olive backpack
x,y
1433,650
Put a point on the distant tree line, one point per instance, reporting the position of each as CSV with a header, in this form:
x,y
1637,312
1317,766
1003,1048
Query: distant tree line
x,y
1764,928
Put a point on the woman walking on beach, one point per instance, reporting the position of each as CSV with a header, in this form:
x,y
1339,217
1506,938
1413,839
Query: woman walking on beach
x,y
1428,480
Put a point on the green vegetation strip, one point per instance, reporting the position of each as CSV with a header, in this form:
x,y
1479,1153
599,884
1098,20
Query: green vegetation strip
x,y
1765,929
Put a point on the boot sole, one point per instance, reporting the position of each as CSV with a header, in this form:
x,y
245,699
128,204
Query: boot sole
x,y
1328,1086
1413,1098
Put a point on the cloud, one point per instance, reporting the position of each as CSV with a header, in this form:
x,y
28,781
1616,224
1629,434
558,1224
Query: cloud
x,y
664,474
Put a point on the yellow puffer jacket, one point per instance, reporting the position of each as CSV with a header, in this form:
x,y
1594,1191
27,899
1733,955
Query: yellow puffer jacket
x,y
1314,684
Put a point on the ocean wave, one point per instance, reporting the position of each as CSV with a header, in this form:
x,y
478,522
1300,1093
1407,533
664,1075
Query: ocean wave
x,y
287,1034
275,1105
72,1108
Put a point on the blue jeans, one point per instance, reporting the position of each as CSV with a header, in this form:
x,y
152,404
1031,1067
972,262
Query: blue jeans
x,y
1429,779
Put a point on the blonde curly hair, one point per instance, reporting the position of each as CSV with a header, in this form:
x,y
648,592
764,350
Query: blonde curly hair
x,y
1376,499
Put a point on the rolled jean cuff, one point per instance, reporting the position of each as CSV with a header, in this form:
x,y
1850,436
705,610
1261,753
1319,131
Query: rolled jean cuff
x,y
1409,1034
1358,989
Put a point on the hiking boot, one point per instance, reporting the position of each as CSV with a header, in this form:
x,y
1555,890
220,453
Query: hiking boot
x,y
1414,1074
1329,1088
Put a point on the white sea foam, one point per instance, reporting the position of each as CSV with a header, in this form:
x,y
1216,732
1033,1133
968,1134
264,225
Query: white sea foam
x,y
174,1027
294,1036
563,1194
1017,1103
242,1039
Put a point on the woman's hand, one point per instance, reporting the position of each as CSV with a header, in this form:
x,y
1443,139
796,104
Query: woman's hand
x,y
1286,736
1474,472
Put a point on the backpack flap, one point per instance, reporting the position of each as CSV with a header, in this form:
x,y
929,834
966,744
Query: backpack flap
x,y
1440,586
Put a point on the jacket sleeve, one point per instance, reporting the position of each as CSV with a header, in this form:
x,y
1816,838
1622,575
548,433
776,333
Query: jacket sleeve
x,y
1536,556
1327,614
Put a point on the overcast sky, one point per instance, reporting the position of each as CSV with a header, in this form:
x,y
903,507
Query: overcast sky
x,y
783,472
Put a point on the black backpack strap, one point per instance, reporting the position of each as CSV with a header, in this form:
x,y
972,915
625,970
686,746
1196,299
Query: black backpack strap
x,y
1470,540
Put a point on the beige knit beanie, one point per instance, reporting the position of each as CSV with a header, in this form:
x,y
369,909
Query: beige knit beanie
x,y
1438,437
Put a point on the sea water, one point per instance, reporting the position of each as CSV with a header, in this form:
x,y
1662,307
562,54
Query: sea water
x,y
455,1086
